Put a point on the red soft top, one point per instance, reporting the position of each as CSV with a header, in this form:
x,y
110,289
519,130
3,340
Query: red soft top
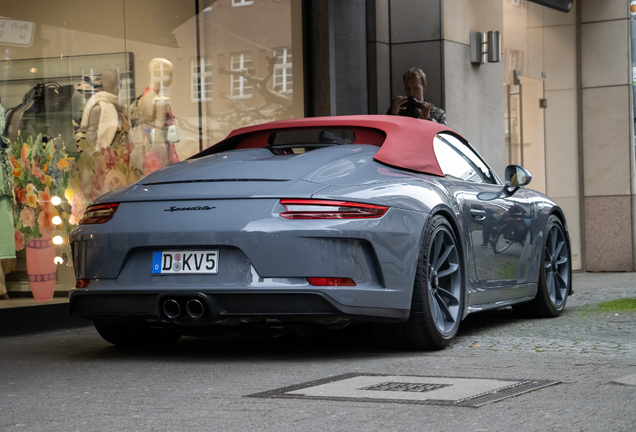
x,y
408,143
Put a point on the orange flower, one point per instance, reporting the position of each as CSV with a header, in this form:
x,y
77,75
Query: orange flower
x,y
17,170
44,198
22,195
62,164
45,168
45,222
24,152
30,188
48,180
31,200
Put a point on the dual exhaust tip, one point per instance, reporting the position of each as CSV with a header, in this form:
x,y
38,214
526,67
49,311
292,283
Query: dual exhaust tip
x,y
194,308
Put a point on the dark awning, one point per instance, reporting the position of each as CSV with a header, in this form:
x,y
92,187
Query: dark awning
x,y
560,5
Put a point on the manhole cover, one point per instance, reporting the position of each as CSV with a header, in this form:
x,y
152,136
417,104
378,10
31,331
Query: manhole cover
x,y
425,390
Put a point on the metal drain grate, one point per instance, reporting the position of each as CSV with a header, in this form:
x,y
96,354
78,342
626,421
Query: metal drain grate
x,y
409,389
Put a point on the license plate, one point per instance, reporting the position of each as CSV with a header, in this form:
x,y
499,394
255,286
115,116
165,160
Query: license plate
x,y
185,262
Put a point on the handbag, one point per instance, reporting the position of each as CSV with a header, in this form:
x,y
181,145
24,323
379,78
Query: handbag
x,y
170,134
51,97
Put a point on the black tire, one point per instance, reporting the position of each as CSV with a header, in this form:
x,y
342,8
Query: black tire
x,y
135,334
555,274
438,294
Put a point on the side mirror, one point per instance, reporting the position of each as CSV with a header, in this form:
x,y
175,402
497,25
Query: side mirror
x,y
516,176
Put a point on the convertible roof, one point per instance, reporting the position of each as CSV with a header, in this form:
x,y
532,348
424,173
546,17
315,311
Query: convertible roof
x,y
408,143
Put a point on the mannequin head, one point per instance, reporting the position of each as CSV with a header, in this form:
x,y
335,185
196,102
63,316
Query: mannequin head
x,y
110,81
160,72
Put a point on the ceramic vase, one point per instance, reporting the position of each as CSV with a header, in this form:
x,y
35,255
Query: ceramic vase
x,y
40,255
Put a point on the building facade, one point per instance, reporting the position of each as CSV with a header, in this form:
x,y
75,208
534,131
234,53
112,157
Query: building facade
x,y
559,101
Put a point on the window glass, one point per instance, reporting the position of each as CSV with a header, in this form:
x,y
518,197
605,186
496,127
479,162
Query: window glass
x,y
100,96
459,162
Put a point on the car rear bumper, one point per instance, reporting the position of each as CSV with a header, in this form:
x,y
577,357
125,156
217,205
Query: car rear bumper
x,y
217,306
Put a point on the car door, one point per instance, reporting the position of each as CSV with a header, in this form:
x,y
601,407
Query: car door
x,y
498,225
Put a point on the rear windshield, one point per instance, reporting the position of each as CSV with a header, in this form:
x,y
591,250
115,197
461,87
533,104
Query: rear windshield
x,y
299,140
304,140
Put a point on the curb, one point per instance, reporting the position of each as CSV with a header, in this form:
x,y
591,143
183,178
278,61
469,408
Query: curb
x,y
37,318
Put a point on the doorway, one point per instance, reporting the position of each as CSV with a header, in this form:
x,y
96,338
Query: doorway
x,y
525,105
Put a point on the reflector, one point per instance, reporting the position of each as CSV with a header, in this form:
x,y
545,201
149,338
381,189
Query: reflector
x,y
323,281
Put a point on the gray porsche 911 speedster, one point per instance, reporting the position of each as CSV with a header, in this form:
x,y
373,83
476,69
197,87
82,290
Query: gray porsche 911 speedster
x,y
319,223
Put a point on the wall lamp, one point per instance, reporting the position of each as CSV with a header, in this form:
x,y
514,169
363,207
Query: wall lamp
x,y
485,46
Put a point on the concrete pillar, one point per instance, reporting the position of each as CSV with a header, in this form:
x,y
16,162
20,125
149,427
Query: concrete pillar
x,y
607,135
336,67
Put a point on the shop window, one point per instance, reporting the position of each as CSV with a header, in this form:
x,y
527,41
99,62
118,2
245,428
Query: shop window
x,y
283,70
205,73
240,86
236,3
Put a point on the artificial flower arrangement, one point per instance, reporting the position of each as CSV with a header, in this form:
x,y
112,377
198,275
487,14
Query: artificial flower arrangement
x,y
96,172
40,172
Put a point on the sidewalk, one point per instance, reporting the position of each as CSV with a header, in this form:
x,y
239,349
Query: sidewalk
x,y
23,315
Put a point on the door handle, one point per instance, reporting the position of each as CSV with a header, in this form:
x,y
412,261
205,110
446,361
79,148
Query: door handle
x,y
478,214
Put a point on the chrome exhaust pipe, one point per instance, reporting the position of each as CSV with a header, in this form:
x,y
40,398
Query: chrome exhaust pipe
x,y
195,308
171,309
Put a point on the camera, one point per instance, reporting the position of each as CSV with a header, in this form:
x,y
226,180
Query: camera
x,y
409,109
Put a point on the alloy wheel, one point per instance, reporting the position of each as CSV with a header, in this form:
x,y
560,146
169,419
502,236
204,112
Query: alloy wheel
x,y
444,281
556,264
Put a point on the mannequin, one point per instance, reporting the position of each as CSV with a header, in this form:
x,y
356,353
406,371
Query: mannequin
x,y
103,116
155,113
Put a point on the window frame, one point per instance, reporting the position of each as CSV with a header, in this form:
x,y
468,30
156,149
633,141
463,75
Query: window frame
x,y
464,151
283,70
242,87
206,80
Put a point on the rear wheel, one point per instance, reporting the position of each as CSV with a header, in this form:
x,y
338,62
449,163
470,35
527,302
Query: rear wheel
x,y
437,303
555,274
135,334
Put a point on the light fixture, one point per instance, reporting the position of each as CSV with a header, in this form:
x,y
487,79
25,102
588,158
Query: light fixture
x,y
58,260
56,220
58,240
485,46
33,70
56,200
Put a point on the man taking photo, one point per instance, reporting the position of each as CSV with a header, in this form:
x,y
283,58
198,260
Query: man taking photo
x,y
413,104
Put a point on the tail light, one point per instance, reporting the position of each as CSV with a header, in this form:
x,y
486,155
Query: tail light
x,y
324,209
98,214
81,283
323,281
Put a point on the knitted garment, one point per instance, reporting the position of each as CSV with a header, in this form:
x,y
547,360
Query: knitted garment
x,y
6,167
108,121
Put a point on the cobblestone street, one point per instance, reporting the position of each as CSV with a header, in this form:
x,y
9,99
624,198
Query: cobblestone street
x,y
73,380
